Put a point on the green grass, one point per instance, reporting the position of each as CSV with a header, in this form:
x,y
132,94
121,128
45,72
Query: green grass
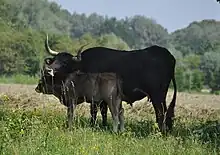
x,y
18,79
27,128
26,132
36,132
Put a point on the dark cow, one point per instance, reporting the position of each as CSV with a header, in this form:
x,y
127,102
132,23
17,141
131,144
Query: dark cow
x,y
93,87
149,70
54,85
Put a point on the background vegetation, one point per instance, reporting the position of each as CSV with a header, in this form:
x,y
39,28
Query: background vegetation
x,y
23,25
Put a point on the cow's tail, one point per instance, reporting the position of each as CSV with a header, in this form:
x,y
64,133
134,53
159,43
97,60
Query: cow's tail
x,y
170,111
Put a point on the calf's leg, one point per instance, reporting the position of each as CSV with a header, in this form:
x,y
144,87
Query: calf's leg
x,y
115,113
93,112
104,110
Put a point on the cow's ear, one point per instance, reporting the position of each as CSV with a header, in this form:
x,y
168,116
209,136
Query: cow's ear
x,y
48,61
75,58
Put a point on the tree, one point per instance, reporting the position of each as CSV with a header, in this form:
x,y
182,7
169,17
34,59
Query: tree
x,y
112,41
23,25
197,80
210,65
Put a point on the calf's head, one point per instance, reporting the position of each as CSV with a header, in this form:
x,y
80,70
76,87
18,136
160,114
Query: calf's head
x,y
47,84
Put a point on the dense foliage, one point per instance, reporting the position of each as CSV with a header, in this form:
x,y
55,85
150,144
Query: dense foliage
x,y
23,25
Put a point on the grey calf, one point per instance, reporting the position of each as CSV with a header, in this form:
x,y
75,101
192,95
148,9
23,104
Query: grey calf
x,y
95,87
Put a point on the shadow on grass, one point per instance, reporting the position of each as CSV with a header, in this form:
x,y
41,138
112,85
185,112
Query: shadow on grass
x,y
208,132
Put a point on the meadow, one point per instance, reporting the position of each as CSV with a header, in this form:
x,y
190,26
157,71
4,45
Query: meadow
x,y
32,123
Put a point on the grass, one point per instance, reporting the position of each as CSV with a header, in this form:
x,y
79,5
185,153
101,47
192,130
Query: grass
x,y
34,124
18,79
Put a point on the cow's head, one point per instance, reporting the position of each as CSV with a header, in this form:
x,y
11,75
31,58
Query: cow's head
x,y
62,62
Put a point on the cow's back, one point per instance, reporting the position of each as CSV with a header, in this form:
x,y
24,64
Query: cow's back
x,y
99,59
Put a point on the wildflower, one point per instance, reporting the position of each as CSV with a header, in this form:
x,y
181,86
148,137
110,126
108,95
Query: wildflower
x,y
5,98
155,126
95,148
22,132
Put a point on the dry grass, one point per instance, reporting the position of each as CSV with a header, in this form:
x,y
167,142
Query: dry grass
x,y
24,96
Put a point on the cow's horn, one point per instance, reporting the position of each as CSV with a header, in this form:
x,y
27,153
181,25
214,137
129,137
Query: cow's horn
x,y
50,51
78,57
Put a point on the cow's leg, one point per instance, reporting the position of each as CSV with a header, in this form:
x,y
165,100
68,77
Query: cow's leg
x,y
114,112
104,110
169,118
168,114
169,121
93,112
159,111
121,117
164,108
70,115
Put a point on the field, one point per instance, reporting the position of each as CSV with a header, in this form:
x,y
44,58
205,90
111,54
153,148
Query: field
x,y
32,123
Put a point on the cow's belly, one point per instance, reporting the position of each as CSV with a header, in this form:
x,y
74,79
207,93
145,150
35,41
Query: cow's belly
x,y
131,97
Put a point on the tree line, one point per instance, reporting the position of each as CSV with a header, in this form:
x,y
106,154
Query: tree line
x,y
23,25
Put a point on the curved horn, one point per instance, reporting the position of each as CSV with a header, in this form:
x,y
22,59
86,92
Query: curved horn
x,y
50,51
79,51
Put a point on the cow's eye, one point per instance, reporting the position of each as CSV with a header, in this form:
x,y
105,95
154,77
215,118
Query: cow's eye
x,y
48,61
